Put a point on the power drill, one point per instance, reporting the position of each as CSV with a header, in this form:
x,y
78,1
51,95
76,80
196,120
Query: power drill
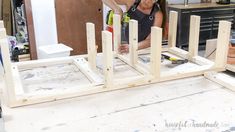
x,y
125,24
124,21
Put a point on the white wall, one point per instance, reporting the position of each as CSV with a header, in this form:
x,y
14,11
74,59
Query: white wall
x,y
44,23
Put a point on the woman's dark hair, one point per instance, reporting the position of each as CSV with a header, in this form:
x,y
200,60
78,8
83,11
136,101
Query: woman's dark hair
x,y
163,6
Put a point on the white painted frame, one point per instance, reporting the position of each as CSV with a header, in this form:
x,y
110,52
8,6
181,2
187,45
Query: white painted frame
x,y
106,82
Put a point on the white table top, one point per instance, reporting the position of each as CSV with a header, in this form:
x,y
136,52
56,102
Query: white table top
x,y
142,109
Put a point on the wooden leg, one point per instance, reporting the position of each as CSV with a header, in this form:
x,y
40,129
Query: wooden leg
x,y
222,44
172,29
194,36
10,85
1,24
116,31
133,41
91,46
108,58
156,48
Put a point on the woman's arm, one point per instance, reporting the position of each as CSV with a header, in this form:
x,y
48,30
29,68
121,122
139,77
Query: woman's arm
x,y
158,22
113,4
124,48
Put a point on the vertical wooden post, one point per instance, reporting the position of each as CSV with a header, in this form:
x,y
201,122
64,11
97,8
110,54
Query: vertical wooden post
x,y
173,20
108,58
194,36
133,41
91,46
116,32
1,24
156,49
222,44
10,87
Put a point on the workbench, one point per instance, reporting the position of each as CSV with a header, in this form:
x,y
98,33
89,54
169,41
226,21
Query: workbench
x,y
149,100
148,108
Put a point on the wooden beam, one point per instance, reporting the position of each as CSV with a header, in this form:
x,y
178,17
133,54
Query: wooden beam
x,y
17,81
223,80
1,24
44,62
30,28
91,46
156,47
194,36
230,67
10,84
173,20
179,52
137,67
2,33
116,32
108,58
222,44
84,67
133,41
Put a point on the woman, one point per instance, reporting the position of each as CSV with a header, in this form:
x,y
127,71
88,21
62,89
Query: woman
x,y
148,13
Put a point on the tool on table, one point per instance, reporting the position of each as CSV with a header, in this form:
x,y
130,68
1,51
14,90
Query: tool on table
x,y
175,60
146,59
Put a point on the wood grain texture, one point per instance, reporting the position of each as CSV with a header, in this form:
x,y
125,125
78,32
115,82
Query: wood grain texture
x,y
72,16
30,27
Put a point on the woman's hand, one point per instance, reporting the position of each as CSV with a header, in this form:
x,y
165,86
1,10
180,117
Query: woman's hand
x,y
123,48
119,12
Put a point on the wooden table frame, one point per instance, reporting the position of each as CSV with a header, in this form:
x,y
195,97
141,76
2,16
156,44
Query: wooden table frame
x,y
14,92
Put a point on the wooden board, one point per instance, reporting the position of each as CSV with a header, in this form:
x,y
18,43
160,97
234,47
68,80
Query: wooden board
x,y
223,79
231,67
30,28
71,18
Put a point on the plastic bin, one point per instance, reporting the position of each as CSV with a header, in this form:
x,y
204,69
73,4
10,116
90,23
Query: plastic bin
x,y
53,51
